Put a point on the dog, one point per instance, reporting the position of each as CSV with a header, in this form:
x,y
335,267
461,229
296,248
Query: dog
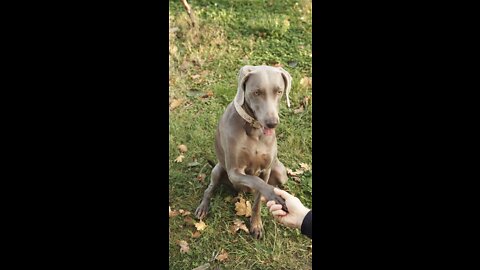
x,y
245,141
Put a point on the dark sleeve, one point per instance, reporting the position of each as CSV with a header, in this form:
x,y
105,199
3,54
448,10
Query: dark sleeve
x,y
307,225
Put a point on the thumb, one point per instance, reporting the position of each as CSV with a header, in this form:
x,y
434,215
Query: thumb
x,y
282,193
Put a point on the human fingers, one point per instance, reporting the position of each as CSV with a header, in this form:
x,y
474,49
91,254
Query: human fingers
x,y
279,213
275,207
282,193
269,203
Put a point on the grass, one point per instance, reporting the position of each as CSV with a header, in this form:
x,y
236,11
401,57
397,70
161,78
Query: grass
x,y
232,34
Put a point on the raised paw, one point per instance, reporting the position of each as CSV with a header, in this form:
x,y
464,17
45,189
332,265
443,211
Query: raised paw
x,y
278,200
202,210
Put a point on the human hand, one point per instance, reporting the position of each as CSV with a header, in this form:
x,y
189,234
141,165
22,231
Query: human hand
x,y
296,210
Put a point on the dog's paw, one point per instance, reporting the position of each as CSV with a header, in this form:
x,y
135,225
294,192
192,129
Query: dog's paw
x,y
256,230
201,211
278,200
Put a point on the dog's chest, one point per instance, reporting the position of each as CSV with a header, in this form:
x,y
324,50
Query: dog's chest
x,y
257,157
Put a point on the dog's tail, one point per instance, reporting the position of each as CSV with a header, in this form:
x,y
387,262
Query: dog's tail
x,y
211,163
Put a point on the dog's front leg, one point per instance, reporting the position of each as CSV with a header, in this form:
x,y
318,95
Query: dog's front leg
x,y
256,226
239,178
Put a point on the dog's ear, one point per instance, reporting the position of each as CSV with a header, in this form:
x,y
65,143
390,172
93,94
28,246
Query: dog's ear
x,y
242,79
288,83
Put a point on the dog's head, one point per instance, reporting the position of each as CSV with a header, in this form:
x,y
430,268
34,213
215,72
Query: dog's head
x,y
261,88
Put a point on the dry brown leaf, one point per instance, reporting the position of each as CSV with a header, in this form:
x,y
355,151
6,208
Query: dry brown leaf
x,y
306,101
306,81
299,110
189,220
183,246
296,179
208,94
172,213
277,65
179,158
196,76
305,166
196,234
238,225
294,173
200,225
222,256
243,208
183,148
201,177
175,103
185,213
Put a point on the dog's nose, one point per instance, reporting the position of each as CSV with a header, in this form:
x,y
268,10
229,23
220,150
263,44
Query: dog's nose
x,y
272,123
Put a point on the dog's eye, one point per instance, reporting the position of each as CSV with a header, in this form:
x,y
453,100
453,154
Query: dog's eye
x,y
279,92
257,92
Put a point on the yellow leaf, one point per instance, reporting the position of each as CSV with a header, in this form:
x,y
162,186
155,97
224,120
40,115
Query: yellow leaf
x,y
172,213
222,256
179,158
243,208
306,82
175,103
200,225
183,246
305,166
299,110
183,148
238,225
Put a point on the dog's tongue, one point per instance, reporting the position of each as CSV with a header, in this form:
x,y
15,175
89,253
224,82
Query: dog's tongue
x,y
267,131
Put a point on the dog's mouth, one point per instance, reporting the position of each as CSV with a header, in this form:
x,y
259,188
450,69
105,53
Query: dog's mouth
x,y
268,131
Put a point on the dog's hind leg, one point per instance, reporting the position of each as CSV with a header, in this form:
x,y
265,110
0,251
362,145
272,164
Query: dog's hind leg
x,y
217,174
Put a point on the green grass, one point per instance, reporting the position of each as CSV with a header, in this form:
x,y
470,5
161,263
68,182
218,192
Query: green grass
x,y
232,34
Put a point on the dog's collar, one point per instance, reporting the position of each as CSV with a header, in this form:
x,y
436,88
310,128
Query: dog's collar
x,y
245,115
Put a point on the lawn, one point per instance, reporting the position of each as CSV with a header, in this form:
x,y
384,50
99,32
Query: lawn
x,y
203,67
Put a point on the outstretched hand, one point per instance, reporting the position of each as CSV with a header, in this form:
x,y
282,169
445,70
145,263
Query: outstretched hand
x,y
296,210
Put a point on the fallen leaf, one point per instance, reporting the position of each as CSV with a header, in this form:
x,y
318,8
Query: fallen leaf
x,y
243,208
296,179
196,234
185,213
294,173
179,158
306,82
200,225
228,199
305,166
196,76
183,148
175,103
222,256
201,177
183,246
305,101
172,213
299,110
189,220
238,225
208,94
278,65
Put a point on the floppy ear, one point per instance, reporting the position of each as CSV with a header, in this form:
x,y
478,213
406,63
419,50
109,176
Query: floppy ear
x,y
242,79
288,83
